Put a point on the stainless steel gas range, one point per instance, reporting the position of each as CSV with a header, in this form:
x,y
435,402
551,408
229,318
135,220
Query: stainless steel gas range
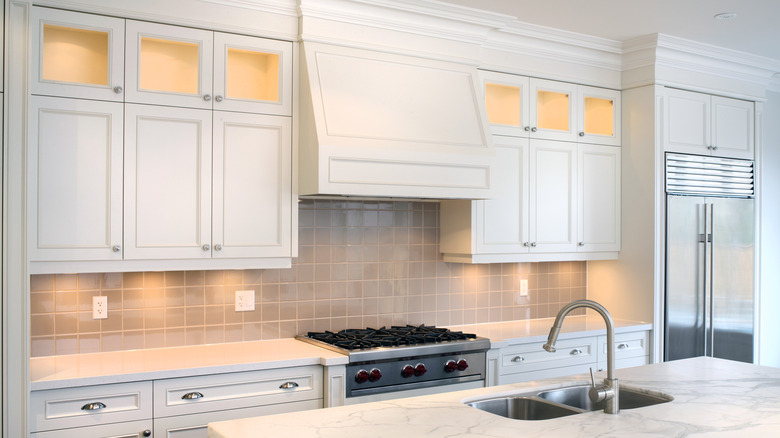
x,y
404,360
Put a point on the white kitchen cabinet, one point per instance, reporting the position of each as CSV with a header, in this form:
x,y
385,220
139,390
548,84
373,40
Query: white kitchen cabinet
x,y
77,55
598,215
130,429
537,108
557,201
697,123
167,202
74,179
631,350
252,201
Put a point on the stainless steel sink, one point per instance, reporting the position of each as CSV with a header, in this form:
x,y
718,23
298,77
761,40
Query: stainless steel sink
x,y
628,398
561,402
523,408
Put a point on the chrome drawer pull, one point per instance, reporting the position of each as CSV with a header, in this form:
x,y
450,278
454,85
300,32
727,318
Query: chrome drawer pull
x,y
288,385
192,396
576,352
94,406
622,346
518,359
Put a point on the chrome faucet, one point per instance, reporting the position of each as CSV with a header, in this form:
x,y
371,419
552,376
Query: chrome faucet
x,y
607,392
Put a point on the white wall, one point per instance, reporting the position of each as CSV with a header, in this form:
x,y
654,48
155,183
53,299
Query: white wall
x,y
769,329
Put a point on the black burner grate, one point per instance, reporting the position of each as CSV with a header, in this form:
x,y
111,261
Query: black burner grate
x,y
354,339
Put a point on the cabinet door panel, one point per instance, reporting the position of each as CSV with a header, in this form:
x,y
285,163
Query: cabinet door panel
x,y
252,74
599,198
252,185
732,127
167,183
77,55
502,222
507,103
686,122
553,110
553,199
169,65
75,179
599,120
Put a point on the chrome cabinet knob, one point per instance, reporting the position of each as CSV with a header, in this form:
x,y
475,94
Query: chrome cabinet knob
x,y
218,98
93,406
581,244
118,89
206,247
218,247
582,134
525,244
533,129
116,248
533,244
207,97
147,432
527,128
194,395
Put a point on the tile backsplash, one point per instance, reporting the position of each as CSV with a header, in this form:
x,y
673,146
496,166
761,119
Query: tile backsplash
x,y
360,264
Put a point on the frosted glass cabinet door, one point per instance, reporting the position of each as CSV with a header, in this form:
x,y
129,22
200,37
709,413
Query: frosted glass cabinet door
x,y
599,115
599,198
553,110
77,55
75,179
252,74
252,185
169,65
502,222
167,183
507,103
553,198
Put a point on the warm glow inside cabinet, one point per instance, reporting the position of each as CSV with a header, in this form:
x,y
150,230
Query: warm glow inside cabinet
x,y
77,55
544,109
697,123
171,65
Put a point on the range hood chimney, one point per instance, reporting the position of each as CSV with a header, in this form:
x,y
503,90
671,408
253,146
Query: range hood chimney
x,y
375,124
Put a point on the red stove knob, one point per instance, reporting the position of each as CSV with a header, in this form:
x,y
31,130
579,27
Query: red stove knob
x,y
419,369
362,376
374,375
462,364
407,371
450,366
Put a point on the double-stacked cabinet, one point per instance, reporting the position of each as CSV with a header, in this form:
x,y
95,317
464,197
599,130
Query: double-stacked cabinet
x,y
558,176
154,142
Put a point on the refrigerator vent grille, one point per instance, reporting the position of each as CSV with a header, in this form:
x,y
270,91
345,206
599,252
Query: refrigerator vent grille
x,y
698,175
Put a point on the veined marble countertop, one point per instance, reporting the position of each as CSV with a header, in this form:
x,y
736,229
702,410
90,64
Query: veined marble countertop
x,y
503,334
712,398
53,372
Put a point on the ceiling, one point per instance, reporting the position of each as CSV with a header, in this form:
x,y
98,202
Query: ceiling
x,y
756,28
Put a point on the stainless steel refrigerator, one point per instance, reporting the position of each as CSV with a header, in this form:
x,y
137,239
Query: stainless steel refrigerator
x,y
710,250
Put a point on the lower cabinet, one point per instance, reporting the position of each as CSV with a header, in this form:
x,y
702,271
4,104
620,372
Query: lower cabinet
x,y
177,408
631,350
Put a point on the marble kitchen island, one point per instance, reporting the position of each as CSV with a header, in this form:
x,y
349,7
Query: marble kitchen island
x,y
712,398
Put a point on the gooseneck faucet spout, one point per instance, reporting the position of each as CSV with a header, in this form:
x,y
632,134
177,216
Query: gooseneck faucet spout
x,y
609,390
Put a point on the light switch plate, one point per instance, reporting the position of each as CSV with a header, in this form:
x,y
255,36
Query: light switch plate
x,y
99,307
245,300
523,287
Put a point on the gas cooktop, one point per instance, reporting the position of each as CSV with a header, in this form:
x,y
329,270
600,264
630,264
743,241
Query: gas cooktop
x,y
353,339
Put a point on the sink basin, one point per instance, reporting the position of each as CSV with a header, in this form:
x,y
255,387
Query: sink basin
x,y
577,396
523,408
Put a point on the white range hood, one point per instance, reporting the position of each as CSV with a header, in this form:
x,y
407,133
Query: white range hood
x,y
375,124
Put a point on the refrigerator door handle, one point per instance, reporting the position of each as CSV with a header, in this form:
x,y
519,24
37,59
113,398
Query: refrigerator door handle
x,y
708,278
710,290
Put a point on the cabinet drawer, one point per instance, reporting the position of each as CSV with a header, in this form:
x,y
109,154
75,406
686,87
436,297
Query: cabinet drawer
x,y
196,425
90,405
236,390
626,345
532,357
132,429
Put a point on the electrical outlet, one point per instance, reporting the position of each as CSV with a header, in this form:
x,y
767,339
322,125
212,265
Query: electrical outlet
x,y
100,307
245,300
523,288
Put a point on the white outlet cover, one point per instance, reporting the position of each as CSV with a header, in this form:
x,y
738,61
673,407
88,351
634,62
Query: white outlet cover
x,y
100,307
245,300
523,288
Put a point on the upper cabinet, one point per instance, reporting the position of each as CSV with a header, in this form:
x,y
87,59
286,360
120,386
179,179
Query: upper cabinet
x,y
77,55
538,108
381,124
697,123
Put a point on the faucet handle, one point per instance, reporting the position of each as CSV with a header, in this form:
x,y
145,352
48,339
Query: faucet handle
x,y
592,379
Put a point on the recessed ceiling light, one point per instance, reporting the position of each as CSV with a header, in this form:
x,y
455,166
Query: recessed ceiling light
x,y
726,16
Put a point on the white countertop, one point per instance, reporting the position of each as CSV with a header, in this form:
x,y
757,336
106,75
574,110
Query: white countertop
x,y
161,363
503,334
712,398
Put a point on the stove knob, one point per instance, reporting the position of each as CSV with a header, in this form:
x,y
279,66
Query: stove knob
x,y
450,366
462,364
362,376
407,371
374,375
419,369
